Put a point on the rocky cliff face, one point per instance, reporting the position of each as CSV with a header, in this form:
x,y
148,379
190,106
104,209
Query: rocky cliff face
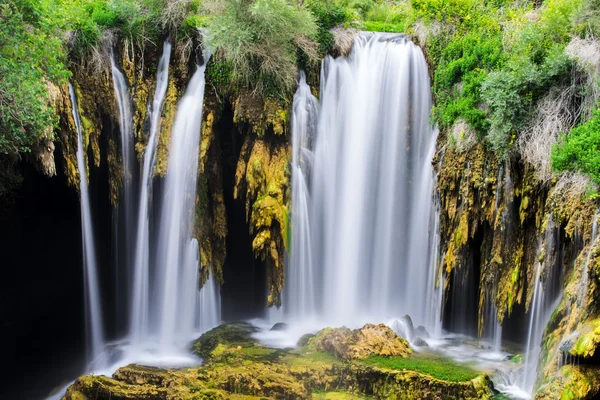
x,y
498,222
515,224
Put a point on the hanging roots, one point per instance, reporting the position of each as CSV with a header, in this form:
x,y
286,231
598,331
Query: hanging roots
x,y
557,112
586,54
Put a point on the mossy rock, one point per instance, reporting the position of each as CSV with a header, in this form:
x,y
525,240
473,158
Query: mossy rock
x,y
238,367
234,334
587,342
572,382
361,343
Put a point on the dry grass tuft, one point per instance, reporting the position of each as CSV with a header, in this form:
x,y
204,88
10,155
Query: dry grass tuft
x,y
557,112
463,136
572,185
586,54
343,40
174,14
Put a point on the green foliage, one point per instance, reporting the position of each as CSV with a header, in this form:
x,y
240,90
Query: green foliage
x,y
30,55
462,68
495,60
328,14
580,150
439,368
261,41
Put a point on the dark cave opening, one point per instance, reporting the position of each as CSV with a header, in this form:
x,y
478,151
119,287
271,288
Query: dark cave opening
x,y
244,291
41,292
461,307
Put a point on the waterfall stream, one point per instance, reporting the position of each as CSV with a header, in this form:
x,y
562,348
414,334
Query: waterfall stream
x,y
139,328
364,234
585,273
124,213
300,281
173,313
93,307
545,298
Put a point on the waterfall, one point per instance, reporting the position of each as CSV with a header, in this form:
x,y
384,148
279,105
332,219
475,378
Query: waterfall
x,y
545,299
176,307
128,160
585,273
300,298
492,325
366,236
140,308
93,307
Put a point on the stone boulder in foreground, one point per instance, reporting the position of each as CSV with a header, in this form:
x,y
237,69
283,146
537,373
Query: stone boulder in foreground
x,y
371,362
361,343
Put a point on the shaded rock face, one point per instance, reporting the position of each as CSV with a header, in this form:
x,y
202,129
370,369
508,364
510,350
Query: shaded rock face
x,y
404,327
498,224
361,343
238,367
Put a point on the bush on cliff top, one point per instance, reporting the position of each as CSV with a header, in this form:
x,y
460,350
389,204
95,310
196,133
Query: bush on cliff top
x,y
580,149
261,41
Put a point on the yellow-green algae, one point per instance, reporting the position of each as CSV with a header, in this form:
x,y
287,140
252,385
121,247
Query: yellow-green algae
x,y
510,248
237,366
262,180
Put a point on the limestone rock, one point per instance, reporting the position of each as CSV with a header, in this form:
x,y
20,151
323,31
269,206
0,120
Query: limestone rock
x,y
361,343
404,327
280,326
419,342
421,331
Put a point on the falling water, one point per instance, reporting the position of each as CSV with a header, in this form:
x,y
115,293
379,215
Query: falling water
x,y
585,273
92,292
300,300
545,298
370,204
140,308
127,156
493,327
176,306
126,127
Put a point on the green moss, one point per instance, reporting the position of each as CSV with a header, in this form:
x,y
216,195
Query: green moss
x,y
236,334
317,395
439,368
378,26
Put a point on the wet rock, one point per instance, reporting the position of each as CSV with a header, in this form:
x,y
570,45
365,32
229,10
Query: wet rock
x,y
404,327
422,332
239,367
419,342
361,343
304,339
280,326
239,333
572,382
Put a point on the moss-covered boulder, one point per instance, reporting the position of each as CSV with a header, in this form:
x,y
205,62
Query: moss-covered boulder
x,y
572,382
234,334
361,343
374,362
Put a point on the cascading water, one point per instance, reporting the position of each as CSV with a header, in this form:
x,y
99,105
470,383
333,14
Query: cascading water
x,y
93,307
585,273
140,308
176,305
493,327
126,204
300,298
366,235
545,298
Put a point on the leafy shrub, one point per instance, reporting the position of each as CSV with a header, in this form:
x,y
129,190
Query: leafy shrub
x,y
328,15
580,149
462,68
30,55
261,40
